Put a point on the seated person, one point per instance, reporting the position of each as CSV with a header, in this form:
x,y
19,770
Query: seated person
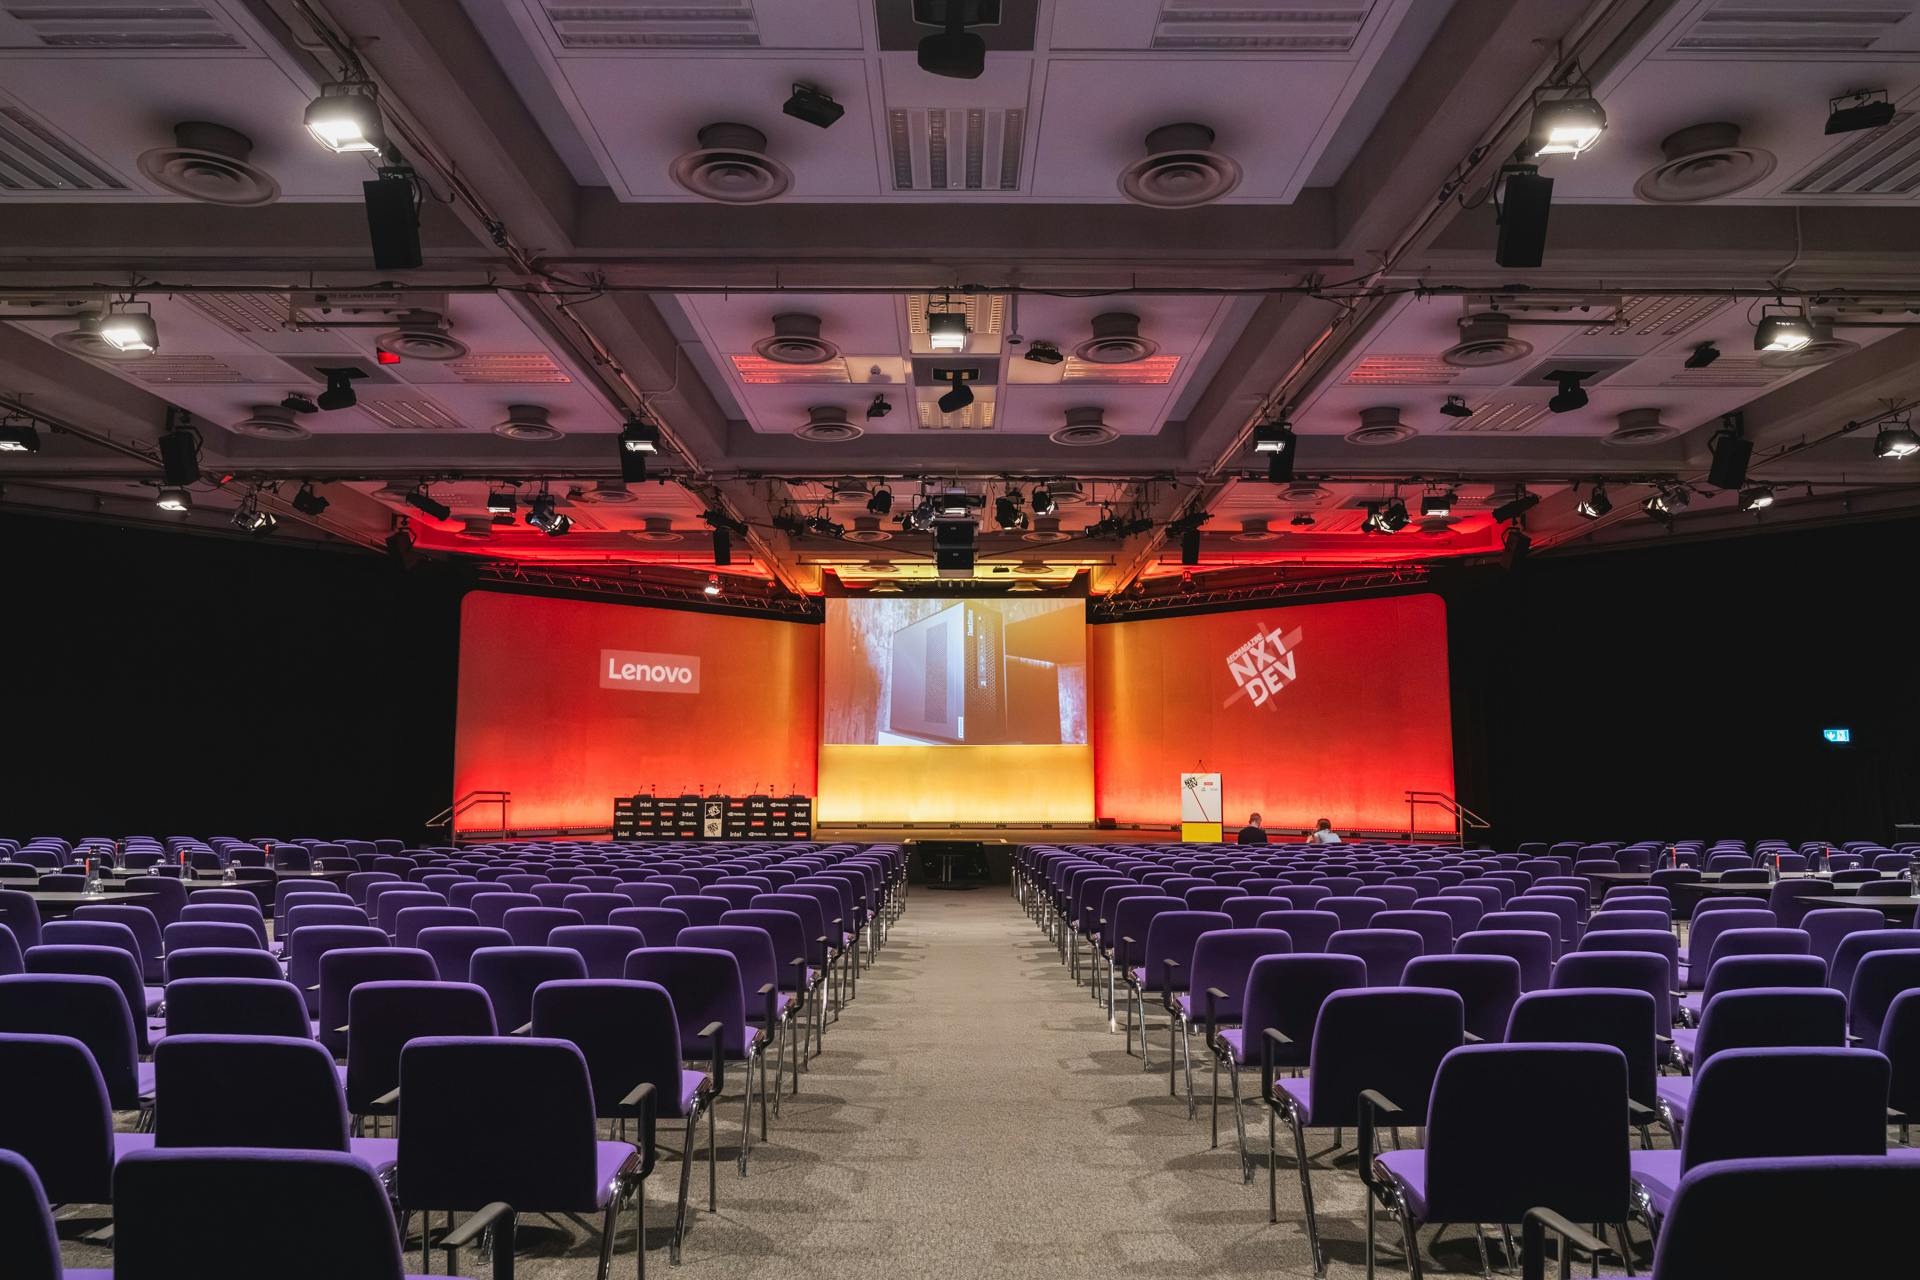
x,y
1252,832
1323,833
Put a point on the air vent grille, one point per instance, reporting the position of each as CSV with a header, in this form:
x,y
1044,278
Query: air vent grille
x,y
34,158
760,371
161,370
402,414
1402,371
1284,26
101,24
1152,372
715,24
1750,28
1504,417
1878,162
956,148
533,367
977,416
986,313
243,313
1645,315
1728,371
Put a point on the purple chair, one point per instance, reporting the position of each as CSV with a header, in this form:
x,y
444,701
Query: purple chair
x,y
463,894
208,933
1386,1039
775,1011
314,911
629,1035
1546,922
492,908
1222,961
645,893
67,1133
555,894
1613,919
452,947
1434,927
736,896
1488,986
1755,1018
20,913
595,908
1510,1127
305,949
529,926
1628,1020
165,896
796,977
710,1002
236,1007
1880,976
1384,951
116,964
510,974
1629,970
1245,911
386,907
27,1226
1166,963
1790,900
1464,912
229,913
1826,926
699,908
603,947
1855,946
383,1016
1532,948
1354,911
146,933
409,921
1706,928
344,968
222,962
89,1009
659,925
1900,1043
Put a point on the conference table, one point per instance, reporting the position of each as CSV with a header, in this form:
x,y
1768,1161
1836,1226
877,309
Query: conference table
x,y
54,903
1686,894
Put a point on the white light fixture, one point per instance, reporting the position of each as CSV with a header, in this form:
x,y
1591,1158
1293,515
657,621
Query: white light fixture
x,y
129,331
1897,439
946,329
1788,332
345,119
713,584
174,498
1565,126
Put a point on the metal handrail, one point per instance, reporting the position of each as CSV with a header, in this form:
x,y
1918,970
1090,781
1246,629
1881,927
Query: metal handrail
x,y
1464,818
445,817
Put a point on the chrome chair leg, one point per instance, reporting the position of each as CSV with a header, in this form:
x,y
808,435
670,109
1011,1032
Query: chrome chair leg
x,y
1306,1194
1186,1057
686,1175
1479,1238
606,1237
1411,1234
1273,1165
1239,1119
1213,1102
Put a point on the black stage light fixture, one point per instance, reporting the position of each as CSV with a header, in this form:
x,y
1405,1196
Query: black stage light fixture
x,y
1897,439
1731,452
1524,206
1521,503
791,525
393,218
1190,544
880,501
1438,503
1043,504
249,518
1666,502
1007,513
299,402
1278,442
713,587
1043,353
421,500
1134,527
541,512
722,547
1303,521
174,498
1595,504
1516,544
1566,126
400,545
638,442
880,408
953,548
1756,497
559,525
309,503
962,395
954,51
1371,524
1394,517
19,437
501,502
339,393
180,456
812,105
1457,407
1864,109
1571,395
1782,329
1703,355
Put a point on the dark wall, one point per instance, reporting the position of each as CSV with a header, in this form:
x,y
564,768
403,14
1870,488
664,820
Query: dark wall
x,y
1681,689
163,682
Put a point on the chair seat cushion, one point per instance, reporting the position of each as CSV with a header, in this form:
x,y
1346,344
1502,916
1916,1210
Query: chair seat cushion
x,y
1297,1089
1684,1039
1691,1004
1674,1093
153,996
126,1143
379,1153
609,1158
690,1082
1236,1041
1408,1169
1658,1174
143,1079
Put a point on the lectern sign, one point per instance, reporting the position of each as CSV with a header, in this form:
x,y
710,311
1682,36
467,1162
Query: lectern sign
x,y
1200,806
649,672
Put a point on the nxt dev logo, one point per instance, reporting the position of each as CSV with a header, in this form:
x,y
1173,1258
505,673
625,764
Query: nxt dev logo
x,y
1263,666
649,672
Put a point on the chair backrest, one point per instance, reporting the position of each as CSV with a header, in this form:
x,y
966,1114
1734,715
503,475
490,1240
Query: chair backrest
x,y
660,926
784,931
645,893
1245,911
1631,970
1488,986
706,988
115,964
1709,1229
1792,899
1385,951
316,911
1826,926
409,921
529,926
343,969
1628,918
627,1032
60,1119
1463,910
229,913
1628,1020
1489,1155
1222,959
1354,910
384,1016
1546,922
221,962
493,907
162,895
452,947
1845,1112
330,1201
700,909
306,948
236,1007
1706,930
1900,1042
1730,973
594,908
1173,936
20,913
510,974
1771,1017
92,1010
247,1091
1435,928
1879,977
1531,947
1309,930
144,924
1846,957
1285,992
602,947
1386,1038
537,1100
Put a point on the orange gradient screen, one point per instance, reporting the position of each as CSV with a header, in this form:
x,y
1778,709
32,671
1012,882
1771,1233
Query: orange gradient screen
x,y
1314,711
568,704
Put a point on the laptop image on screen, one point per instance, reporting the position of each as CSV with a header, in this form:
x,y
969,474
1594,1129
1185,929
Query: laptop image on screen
x,y
949,677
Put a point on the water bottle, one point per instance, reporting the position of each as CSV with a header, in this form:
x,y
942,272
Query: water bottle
x,y
93,876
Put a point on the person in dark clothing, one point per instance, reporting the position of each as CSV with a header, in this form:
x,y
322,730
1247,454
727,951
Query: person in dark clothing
x,y
1252,832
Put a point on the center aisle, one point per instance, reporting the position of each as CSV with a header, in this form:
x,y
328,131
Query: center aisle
x,y
971,1117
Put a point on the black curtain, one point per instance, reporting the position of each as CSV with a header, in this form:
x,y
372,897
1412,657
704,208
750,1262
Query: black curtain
x,y
1682,689
162,682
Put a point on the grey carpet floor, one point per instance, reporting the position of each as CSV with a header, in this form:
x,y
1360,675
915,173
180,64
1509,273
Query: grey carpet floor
x,y
972,1116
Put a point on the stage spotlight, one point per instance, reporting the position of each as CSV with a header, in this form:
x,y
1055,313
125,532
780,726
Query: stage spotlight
x,y
299,402
946,330
1371,522
345,118
1703,355
815,107
1595,504
713,585
19,437
1731,451
393,218
1273,437
421,500
1867,109
1043,353
1190,544
880,408
1394,517
130,331
1896,439
638,441
1565,126
251,519
1043,504
180,455
1756,497
1788,331
1007,513
541,512
501,502
1521,503
339,393
954,51
174,498
1457,407
309,503
822,527
1303,521
722,547
1666,502
962,395
560,525
1437,504
1571,394
880,501
400,545
1525,203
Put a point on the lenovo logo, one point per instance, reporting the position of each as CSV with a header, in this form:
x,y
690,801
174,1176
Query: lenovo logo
x,y
649,672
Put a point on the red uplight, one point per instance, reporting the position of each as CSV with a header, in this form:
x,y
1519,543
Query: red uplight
x,y
387,357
